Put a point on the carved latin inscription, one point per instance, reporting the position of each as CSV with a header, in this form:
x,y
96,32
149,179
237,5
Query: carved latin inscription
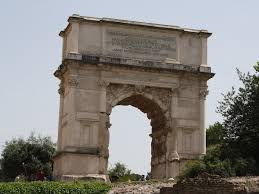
x,y
140,44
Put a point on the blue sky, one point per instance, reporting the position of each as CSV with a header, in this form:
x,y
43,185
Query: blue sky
x,y
30,51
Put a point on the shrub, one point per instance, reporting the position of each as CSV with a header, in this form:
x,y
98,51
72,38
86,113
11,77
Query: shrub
x,y
193,169
210,163
54,188
120,173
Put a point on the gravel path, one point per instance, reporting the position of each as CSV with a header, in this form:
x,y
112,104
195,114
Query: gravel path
x,y
139,187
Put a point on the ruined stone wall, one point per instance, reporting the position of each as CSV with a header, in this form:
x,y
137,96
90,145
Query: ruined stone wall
x,y
214,185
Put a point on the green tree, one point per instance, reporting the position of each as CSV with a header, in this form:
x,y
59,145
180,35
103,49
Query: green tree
x,y
214,134
27,157
120,173
233,146
119,170
240,110
1,172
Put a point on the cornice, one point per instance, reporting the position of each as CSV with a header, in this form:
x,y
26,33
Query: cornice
x,y
107,63
79,19
107,67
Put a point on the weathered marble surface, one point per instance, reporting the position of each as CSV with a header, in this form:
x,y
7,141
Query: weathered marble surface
x,y
160,69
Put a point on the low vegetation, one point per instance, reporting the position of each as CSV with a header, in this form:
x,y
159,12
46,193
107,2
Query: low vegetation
x,y
54,188
120,173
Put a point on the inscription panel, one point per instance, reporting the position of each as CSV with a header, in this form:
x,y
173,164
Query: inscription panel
x,y
139,44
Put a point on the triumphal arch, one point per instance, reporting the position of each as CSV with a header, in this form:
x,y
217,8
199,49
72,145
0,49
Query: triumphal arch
x,y
160,69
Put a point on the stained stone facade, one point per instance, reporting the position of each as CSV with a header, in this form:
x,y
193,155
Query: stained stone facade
x,y
161,70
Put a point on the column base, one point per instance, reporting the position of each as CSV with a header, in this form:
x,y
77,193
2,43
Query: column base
x,y
176,167
69,166
88,177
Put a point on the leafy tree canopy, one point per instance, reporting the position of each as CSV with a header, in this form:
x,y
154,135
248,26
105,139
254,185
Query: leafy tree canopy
x,y
233,146
214,134
120,173
240,110
26,157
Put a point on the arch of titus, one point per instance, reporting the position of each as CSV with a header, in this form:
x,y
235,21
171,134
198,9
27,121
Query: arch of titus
x,y
160,69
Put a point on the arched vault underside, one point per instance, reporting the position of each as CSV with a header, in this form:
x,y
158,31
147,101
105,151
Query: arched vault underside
x,y
156,103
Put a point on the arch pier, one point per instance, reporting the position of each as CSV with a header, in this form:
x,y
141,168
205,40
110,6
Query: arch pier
x,y
161,70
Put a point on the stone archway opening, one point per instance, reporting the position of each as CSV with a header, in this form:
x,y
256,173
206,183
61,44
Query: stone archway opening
x,y
158,123
130,141
160,69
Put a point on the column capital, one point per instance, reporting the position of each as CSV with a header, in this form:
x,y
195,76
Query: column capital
x,y
203,93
